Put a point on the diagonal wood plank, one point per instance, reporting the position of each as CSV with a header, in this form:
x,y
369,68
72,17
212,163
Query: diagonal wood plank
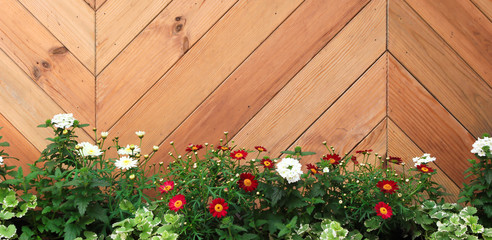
x,y
427,123
203,68
352,117
485,6
461,25
24,104
251,86
118,22
375,141
151,54
46,61
91,3
99,3
439,69
72,22
399,145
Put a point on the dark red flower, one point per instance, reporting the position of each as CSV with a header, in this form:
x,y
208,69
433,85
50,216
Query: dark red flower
x,y
383,210
387,186
177,202
333,159
313,168
166,187
354,159
395,160
223,148
364,151
247,182
239,154
424,168
193,148
260,149
218,207
267,163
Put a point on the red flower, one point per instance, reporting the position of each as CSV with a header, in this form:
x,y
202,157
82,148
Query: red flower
x,y
313,168
223,148
166,187
193,148
260,149
424,168
364,151
395,160
333,159
387,186
354,159
267,163
218,207
383,210
177,202
247,182
239,154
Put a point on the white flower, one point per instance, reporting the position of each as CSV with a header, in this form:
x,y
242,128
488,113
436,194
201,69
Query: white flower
x,y
126,163
63,120
426,158
480,144
290,169
326,170
140,134
104,134
87,149
128,150
1,160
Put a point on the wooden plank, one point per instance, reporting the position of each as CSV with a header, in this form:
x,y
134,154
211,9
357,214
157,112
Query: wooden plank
x,y
72,22
439,69
151,54
427,123
485,6
20,147
99,3
399,145
463,27
24,104
91,3
46,61
118,22
262,75
352,117
202,69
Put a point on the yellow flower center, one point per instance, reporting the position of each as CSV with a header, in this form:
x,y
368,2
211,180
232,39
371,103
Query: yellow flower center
x,y
239,155
247,182
261,149
223,148
218,207
383,210
126,162
167,187
387,187
313,170
194,148
424,169
267,163
178,204
332,160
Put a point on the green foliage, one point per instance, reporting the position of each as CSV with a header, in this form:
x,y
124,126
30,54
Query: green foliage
x,y
12,208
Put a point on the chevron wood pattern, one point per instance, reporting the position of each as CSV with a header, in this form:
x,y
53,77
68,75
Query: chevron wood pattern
x,y
402,77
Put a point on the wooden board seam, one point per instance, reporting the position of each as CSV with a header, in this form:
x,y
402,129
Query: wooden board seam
x,y
20,132
480,9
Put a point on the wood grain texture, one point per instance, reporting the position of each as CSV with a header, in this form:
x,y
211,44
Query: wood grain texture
x,y
72,22
46,61
376,141
439,69
91,3
203,68
463,27
399,145
152,53
20,147
352,117
250,87
99,3
320,83
485,6
118,22
427,123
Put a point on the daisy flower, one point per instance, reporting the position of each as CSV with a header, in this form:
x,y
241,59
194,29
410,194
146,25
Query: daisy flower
x,y
193,148
223,148
260,149
130,149
387,186
63,120
87,149
218,207
126,163
383,210
426,158
177,202
239,154
333,159
395,160
424,168
247,182
166,187
478,146
267,163
313,168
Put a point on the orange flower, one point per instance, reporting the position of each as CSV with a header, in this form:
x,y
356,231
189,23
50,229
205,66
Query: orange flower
x,y
239,154
267,163
260,149
166,187
313,168
247,182
387,186
424,168
218,207
177,202
333,159
383,210
193,148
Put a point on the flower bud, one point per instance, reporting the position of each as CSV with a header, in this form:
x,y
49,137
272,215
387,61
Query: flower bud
x,y
137,155
206,144
98,141
104,135
146,156
65,131
94,129
171,143
132,176
155,148
324,143
77,147
170,153
140,134
132,147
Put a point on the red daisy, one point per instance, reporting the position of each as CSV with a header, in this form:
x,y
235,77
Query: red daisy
x,y
364,151
193,148
223,148
177,202
424,168
383,210
267,163
260,149
313,168
166,187
354,159
247,182
387,186
239,154
333,159
395,160
218,207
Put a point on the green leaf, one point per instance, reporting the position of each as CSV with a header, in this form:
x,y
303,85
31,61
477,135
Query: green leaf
x,y
310,209
4,144
277,195
7,232
82,203
127,206
71,231
27,233
249,236
307,153
468,211
373,223
99,213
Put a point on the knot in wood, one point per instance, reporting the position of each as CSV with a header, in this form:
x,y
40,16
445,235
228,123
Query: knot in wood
x,y
60,50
